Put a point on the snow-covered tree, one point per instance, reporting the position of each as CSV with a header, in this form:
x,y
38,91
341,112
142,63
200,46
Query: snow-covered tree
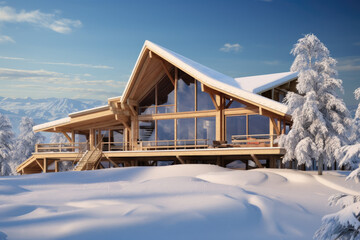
x,y
6,143
25,143
345,224
321,121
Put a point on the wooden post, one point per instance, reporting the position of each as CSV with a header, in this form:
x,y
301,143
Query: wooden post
x,y
56,165
271,132
45,165
92,138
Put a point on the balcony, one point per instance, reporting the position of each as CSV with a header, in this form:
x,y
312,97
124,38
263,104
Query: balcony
x,y
237,141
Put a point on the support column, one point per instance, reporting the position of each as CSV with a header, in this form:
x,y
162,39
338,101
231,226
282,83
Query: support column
x,y
92,138
45,165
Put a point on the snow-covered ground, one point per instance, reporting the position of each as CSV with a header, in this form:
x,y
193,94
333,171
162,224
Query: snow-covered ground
x,y
170,202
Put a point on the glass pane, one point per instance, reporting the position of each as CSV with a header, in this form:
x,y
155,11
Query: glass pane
x,y
117,139
165,131
185,131
234,104
205,130
235,125
147,132
258,124
203,100
146,102
185,93
165,96
165,109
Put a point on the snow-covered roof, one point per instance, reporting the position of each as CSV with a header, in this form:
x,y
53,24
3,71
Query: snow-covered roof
x,y
207,76
51,124
261,83
87,111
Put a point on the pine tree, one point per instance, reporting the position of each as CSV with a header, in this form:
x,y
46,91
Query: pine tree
x,y
25,143
321,121
345,224
6,143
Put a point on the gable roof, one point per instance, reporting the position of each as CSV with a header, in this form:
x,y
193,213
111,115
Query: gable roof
x,y
211,78
261,83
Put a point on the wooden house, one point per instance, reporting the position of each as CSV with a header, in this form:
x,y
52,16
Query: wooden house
x,y
175,110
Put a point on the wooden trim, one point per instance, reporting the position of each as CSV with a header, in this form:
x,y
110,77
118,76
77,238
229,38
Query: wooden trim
x,y
207,113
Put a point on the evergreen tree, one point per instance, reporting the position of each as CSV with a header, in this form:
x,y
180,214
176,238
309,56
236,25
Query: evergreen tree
x,y
321,120
6,143
25,143
345,224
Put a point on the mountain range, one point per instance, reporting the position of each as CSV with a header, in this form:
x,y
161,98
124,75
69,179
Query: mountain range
x,y
43,110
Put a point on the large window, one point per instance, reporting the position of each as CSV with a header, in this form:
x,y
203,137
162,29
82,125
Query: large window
x,y
185,93
165,96
258,124
185,131
147,104
147,130
205,130
165,132
160,99
203,99
235,125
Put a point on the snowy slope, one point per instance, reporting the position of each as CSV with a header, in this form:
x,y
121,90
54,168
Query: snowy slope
x,y
43,110
171,202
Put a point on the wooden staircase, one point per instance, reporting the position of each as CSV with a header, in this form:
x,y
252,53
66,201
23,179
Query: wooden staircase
x,y
89,160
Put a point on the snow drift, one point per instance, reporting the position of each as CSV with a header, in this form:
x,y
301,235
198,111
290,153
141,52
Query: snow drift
x,y
171,202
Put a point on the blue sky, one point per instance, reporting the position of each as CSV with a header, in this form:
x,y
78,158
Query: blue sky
x,y
87,49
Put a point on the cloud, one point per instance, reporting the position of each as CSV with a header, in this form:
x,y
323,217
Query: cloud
x,y
349,64
78,65
12,58
231,47
38,18
48,77
83,65
5,39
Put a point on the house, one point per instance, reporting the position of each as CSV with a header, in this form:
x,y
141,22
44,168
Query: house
x,y
174,109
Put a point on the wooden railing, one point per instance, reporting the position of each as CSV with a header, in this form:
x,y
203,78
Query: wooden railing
x,y
256,140
62,147
174,144
115,146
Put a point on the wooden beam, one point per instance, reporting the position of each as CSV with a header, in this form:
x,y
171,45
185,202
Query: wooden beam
x,y
150,54
112,162
167,72
56,165
180,160
256,160
132,110
67,136
229,103
214,101
40,165
275,126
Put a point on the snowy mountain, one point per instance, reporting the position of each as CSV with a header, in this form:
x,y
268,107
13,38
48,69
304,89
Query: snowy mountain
x,y
43,110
